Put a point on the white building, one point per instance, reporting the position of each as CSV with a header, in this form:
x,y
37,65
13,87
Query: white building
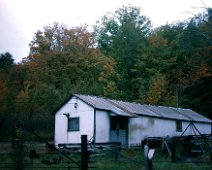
x,y
106,120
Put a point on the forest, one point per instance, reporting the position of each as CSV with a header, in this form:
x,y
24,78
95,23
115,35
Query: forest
x,y
121,57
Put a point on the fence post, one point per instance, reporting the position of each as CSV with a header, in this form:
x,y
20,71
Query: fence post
x,y
173,150
117,151
84,153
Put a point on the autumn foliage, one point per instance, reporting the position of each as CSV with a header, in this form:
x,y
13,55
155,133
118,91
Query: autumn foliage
x,y
123,58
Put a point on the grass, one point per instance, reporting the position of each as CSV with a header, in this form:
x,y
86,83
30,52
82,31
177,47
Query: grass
x,y
129,159
134,160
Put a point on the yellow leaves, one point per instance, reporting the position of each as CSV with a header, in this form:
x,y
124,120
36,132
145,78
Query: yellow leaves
x,y
3,91
25,92
156,91
110,88
157,41
101,77
108,72
202,71
108,77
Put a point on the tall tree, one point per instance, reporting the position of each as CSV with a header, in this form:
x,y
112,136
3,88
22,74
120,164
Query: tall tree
x,y
6,62
150,80
120,35
63,61
7,92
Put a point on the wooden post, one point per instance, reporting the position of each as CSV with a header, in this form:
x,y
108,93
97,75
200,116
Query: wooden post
x,y
167,147
84,153
116,149
173,149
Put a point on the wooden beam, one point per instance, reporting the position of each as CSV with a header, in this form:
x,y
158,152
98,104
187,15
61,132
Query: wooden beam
x,y
167,147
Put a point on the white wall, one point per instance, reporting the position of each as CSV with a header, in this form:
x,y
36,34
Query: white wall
x,y
102,126
86,116
60,129
203,128
142,127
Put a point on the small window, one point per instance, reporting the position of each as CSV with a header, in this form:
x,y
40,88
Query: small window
x,y
73,124
179,126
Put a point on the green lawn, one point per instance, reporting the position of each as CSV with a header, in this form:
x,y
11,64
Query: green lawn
x,y
134,160
129,159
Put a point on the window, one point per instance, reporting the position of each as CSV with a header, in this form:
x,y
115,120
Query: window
x,y
179,126
73,124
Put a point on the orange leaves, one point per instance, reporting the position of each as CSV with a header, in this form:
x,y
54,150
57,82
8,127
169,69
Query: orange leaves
x,y
157,89
202,71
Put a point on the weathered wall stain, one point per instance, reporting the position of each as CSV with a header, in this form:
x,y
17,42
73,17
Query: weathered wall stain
x,y
142,125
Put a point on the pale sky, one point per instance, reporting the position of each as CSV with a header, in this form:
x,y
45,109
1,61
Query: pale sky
x,y
20,19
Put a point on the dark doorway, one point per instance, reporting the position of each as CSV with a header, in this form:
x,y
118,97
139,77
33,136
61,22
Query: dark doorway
x,y
118,129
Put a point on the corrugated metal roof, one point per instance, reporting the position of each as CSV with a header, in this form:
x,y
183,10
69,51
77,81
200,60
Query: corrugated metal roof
x,y
135,109
103,104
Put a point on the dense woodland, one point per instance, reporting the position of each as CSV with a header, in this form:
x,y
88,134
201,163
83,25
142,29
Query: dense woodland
x,y
123,57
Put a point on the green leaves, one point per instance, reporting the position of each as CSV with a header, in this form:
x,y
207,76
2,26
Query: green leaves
x,y
6,62
120,36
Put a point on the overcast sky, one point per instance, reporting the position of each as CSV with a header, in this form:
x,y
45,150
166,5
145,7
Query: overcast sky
x,y
20,19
